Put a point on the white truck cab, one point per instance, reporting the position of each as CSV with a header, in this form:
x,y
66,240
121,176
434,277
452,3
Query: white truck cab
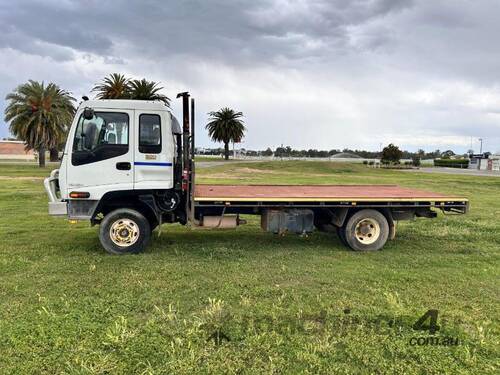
x,y
115,148
126,145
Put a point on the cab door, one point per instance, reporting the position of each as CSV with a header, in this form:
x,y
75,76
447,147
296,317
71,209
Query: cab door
x,y
154,153
101,155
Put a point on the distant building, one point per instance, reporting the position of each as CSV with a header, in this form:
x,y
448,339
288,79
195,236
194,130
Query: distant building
x,y
238,153
345,155
15,150
494,162
479,161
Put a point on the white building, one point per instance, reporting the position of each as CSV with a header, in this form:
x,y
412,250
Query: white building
x,y
485,162
15,150
479,161
494,162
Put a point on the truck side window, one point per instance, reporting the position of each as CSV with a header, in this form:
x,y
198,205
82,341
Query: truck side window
x,y
103,137
149,134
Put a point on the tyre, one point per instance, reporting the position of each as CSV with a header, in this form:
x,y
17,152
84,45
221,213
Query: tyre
x,y
366,230
124,231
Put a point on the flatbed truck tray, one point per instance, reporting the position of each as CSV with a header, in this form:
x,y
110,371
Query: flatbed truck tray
x,y
392,195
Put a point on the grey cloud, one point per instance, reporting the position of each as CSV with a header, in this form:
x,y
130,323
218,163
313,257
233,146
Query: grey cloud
x,y
353,63
224,30
38,47
47,23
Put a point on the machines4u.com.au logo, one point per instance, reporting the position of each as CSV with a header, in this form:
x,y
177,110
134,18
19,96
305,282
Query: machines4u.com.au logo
x,y
428,322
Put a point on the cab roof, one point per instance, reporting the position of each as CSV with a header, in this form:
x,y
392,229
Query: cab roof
x,y
125,104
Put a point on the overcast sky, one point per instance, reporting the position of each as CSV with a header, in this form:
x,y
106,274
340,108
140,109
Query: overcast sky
x,y
318,74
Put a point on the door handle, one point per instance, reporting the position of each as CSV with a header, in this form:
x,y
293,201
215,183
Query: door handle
x,y
123,166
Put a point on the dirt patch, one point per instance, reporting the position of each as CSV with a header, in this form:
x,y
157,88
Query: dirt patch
x,y
261,171
21,178
221,176
232,174
277,172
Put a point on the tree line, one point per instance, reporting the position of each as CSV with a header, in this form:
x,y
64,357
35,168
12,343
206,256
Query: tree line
x,y
288,151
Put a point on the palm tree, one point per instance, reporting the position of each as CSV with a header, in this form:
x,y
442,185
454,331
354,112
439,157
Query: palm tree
x,y
147,90
225,126
39,115
116,86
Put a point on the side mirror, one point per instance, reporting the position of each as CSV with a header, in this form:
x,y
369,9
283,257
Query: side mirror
x,y
88,113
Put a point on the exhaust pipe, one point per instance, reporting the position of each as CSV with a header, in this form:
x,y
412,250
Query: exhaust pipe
x,y
227,221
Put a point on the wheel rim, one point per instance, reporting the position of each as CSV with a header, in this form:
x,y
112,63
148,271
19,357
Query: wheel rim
x,y
367,231
124,232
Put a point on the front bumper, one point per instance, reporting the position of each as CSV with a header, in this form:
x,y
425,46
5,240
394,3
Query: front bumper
x,y
56,206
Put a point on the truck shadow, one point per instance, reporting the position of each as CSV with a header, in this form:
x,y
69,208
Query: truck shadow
x,y
206,242
177,240
222,243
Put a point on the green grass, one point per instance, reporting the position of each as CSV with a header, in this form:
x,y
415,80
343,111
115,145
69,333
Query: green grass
x,y
67,307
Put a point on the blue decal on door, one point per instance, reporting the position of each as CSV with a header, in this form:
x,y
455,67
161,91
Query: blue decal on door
x,y
152,164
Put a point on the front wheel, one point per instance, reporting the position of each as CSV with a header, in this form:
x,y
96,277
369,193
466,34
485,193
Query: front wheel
x,y
366,230
124,231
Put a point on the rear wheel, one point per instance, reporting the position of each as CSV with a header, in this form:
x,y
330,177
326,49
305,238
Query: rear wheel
x,y
366,230
124,231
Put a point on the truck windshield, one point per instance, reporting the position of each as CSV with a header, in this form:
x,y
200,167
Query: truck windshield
x,y
103,137
104,128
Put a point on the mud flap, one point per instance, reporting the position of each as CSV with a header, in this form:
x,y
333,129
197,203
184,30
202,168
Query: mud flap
x,y
392,229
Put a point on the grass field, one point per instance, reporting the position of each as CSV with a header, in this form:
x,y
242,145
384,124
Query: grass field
x,y
244,301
